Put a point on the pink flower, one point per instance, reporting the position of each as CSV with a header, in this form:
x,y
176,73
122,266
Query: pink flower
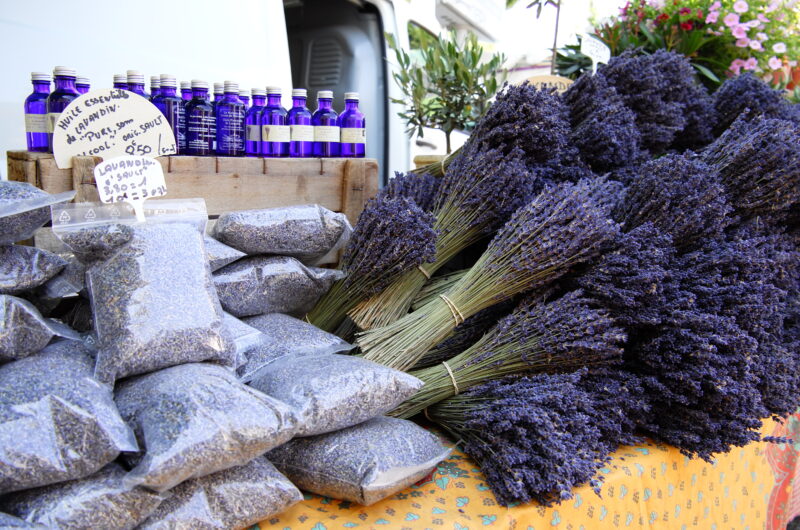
x,y
762,18
684,11
740,32
775,63
756,45
740,6
752,24
761,37
771,7
736,66
779,47
743,43
715,6
712,17
731,20
792,63
750,64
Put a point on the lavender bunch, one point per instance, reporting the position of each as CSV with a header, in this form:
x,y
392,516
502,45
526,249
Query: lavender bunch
x,y
758,161
680,196
420,188
533,437
563,227
392,235
743,92
701,118
560,336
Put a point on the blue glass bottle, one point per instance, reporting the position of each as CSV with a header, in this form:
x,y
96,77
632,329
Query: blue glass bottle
x,y
352,125
219,93
121,81
155,86
172,107
199,121
300,129
36,113
326,126
186,90
63,94
82,85
244,97
230,122
275,135
252,145
136,83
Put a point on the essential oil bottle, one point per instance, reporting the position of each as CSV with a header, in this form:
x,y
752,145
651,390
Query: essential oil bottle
x,y
172,107
219,92
353,128
155,86
186,90
300,128
83,85
199,121
64,93
275,135
136,83
230,122
36,113
326,126
244,96
252,145
121,81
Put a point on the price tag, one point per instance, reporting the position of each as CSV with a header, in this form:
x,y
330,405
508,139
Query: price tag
x,y
551,82
108,123
130,179
596,50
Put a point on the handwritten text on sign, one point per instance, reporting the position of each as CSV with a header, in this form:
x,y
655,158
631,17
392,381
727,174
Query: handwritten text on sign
x,y
129,179
109,123
596,50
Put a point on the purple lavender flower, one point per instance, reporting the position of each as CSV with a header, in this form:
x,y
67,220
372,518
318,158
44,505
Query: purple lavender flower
x,y
747,91
420,188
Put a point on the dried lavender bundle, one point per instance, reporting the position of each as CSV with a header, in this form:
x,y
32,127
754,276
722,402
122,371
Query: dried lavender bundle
x,y
392,236
743,92
23,330
563,335
24,268
220,254
421,188
436,286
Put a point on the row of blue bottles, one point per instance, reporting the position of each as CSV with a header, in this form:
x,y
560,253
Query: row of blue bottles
x,y
172,107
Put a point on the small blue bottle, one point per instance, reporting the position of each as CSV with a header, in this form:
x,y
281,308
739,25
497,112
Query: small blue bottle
x,y
353,128
230,122
65,93
244,97
326,126
83,85
252,146
121,81
300,129
36,113
219,92
199,121
186,91
275,135
155,86
172,107
136,83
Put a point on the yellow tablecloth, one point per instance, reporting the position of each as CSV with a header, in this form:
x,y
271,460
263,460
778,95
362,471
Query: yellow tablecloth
x,y
649,486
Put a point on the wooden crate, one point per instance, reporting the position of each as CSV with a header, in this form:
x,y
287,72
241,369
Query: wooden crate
x,y
226,183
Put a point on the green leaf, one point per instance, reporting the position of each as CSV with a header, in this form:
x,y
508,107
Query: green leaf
x,y
706,72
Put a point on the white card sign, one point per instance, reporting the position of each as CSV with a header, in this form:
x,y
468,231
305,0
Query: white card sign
x,y
131,179
596,50
108,123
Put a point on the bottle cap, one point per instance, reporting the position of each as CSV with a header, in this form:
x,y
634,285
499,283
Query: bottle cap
x,y
185,84
231,86
120,78
299,92
82,81
167,80
325,94
274,90
64,71
218,88
155,81
40,76
136,77
244,93
258,91
353,96
196,83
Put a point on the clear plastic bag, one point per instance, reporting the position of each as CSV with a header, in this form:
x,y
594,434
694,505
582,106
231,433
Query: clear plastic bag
x,y
365,463
219,254
102,501
331,392
284,335
71,280
24,331
197,419
24,208
9,521
56,421
245,338
306,232
25,268
261,284
232,499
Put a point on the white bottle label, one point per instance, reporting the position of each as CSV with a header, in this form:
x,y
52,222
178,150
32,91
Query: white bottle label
x,y
52,118
275,133
354,135
253,133
36,123
302,133
326,133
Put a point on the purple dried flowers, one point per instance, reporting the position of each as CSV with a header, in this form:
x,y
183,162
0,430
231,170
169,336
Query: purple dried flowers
x,y
743,92
418,187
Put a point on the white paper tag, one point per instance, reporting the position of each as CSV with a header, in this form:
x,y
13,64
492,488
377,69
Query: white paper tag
x,y
275,133
52,118
326,133
108,123
302,133
130,179
354,135
596,50
253,133
36,123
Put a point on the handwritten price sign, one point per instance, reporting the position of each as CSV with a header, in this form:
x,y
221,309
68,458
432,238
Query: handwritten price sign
x,y
596,50
130,179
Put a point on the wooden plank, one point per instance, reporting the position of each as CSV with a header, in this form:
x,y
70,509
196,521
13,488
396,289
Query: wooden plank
x,y
27,155
83,178
53,180
192,164
240,165
18,170
353,185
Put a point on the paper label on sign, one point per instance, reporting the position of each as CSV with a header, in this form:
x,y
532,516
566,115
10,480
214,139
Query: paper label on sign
x,y
551,82
253,133
354,135
109,123
302,133
36,123
52,118
275,133
326,133
596,50
130,179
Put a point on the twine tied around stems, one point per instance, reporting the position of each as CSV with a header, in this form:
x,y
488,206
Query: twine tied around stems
x,y
452,376
457,316
424,272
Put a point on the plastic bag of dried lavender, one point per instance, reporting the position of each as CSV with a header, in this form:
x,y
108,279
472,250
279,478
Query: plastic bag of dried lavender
x,y
71,280
9,521
303,232
219,254
24,331
261,284
56,421
24,208
102,500
331,392
285,335
364,463
196,419
244,337
24,268
235,498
